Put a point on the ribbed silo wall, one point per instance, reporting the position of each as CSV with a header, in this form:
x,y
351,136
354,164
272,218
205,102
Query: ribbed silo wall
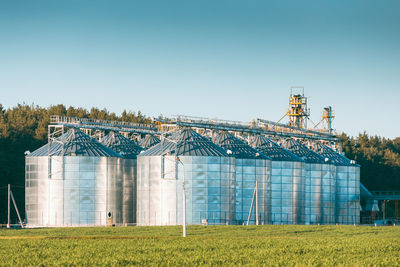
x,y
308,194
36,190
128,167
342,195
150,208
320,193
328,193
354,195
247,172
79,191
209,187
357,194
287,192
348,195
314,193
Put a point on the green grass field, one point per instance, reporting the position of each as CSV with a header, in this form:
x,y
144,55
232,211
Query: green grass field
x,y
286,245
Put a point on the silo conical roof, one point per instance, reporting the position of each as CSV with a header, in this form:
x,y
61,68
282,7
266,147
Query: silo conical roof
x,y
303,152
122,145
238,148
332,156
149,141
273,150
74,143
186,143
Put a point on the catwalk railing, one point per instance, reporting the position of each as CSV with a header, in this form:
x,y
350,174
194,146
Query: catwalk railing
x,y
104,125
258,126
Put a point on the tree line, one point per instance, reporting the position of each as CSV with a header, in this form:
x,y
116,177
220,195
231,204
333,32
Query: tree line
x,y
24,127
379,158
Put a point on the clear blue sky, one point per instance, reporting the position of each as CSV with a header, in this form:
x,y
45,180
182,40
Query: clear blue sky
x,y
229,59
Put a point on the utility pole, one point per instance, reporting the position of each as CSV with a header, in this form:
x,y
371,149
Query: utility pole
x,y
8,205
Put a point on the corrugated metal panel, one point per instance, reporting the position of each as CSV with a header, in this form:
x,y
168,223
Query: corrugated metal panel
x,y
129,150
209,186
238,148
303,152
122,145
186,143
149,141
250,166
347,198
78,191
75,143
273,150
332,156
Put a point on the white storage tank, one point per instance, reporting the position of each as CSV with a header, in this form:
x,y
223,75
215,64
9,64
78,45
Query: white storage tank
x,y
250,166
209,178
73,181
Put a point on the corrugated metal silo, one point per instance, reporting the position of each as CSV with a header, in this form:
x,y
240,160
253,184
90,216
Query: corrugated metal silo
x,y
347,202
148,141
129,151
209,182
287,182
73,181
319,185
250,166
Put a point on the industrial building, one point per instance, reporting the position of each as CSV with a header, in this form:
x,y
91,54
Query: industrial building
x,y
95,172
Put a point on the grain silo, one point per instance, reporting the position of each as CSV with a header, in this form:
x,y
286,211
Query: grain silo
x,y
347,202
129,151
148,141
250,166
73,181
207,172
319,184
287,182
